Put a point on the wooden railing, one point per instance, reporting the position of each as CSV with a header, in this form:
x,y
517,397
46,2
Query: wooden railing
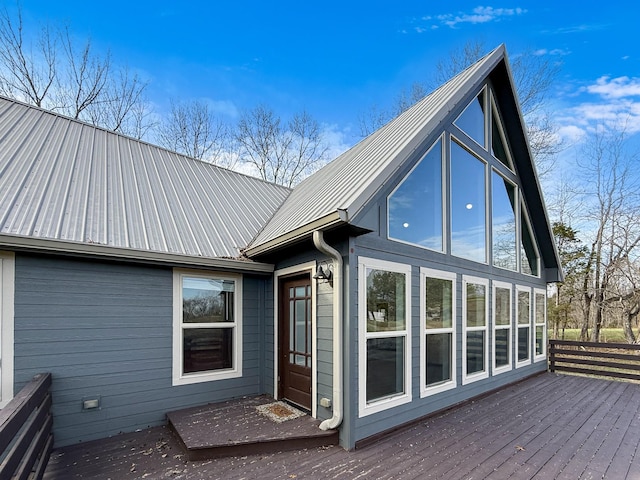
x,y
619,360
25,431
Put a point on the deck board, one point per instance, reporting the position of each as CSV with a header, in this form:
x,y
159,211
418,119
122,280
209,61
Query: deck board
x,y
567,427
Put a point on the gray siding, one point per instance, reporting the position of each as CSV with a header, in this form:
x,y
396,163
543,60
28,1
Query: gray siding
x,y
105,330
369,246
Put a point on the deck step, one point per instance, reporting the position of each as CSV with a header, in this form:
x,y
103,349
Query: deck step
x,y
238,428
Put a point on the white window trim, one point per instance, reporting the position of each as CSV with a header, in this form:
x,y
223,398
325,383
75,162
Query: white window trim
x,y
507,286
442,387
403,398
520,288
178,378
542,356
7,294
308,267
484,374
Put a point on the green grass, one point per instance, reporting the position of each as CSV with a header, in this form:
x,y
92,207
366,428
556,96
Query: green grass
x,y
610,335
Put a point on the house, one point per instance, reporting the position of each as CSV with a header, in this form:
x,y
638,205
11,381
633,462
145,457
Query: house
x,y
407,275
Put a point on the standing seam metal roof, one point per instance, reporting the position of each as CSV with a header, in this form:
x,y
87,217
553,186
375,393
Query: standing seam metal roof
x,y
348,182
61,179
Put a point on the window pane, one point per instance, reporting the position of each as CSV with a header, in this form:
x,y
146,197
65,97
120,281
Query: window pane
x,y
475,352
539,340
385,367
385,300
540,308
468,218
301,325
439,303
503,223
207,300
503,306
476,298
438,358
524,316
523,343
529,257
502,347
207,349
471,121
498,149
415,208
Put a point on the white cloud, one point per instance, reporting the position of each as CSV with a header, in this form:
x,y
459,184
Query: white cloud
x,y
553,52
619,87
478,15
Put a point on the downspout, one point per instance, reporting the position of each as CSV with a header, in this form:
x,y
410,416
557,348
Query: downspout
x,y
320,244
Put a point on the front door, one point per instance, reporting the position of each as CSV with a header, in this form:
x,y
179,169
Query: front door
x,y
295,340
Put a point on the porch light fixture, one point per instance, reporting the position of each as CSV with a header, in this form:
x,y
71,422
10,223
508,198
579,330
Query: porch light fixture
x,y
324,273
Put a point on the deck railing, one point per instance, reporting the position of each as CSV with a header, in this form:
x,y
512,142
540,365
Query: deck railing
x,y
25,431
619,360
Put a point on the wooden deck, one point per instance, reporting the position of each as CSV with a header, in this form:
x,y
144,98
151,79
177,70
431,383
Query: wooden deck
x,y
548,427
237,428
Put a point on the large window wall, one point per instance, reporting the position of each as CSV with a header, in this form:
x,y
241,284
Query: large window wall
x,y
463,197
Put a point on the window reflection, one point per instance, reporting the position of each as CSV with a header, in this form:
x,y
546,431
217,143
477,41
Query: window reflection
x,y
471,120
415,208
503,223
468,218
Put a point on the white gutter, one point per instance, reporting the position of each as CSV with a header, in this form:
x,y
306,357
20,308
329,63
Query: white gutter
x,y
318,241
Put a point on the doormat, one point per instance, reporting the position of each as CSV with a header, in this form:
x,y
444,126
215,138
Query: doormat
x,y
279,411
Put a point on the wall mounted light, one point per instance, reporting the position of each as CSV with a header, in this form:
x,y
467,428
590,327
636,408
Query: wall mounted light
x,y
324,273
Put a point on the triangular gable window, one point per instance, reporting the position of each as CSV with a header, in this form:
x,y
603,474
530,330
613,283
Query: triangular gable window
x,y
415,207
528,250
471,120
498,147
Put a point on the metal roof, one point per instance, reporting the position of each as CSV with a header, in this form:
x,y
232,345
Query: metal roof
x,y
63,180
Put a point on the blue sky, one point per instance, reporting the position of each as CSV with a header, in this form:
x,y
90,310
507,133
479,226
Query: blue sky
x,y
337,59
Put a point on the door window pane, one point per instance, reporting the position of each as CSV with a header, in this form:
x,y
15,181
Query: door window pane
x,y
468,210
415,207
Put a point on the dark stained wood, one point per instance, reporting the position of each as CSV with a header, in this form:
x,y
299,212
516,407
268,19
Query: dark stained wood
x,y
236,428
550,426
25,431
589,358
295,379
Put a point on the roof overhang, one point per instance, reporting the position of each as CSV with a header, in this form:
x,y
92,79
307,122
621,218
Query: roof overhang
x,y
334,219
127,254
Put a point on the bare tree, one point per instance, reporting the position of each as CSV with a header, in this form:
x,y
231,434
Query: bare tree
x,y
282,153
53,72
614,192
192,129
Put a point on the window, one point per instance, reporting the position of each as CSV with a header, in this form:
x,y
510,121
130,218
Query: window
x,y
7,280
474,326
438,334
528,251
468,199
207,329
501,327
415,207
471,121
540,315
503,224
524,325
384,340
498,145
